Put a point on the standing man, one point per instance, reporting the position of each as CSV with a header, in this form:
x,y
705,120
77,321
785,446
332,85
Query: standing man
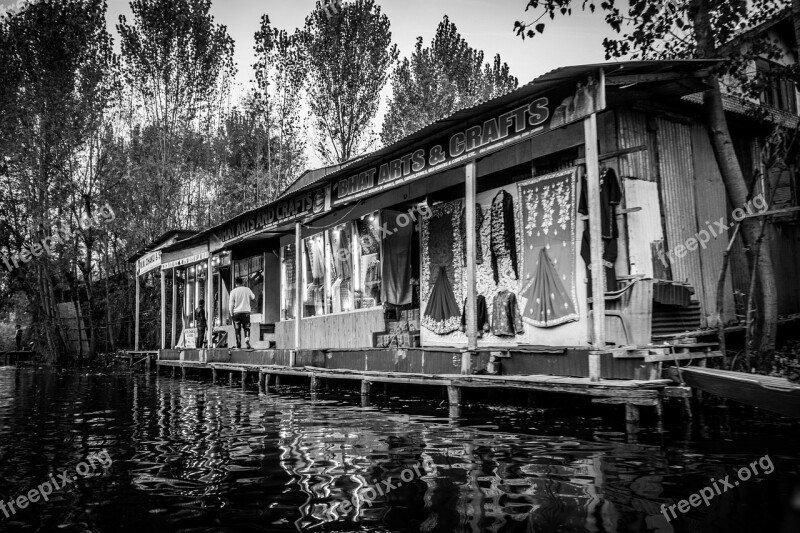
x,y
239,307
201,322
18,337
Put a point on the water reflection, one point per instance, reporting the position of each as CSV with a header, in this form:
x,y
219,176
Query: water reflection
x,y
191,456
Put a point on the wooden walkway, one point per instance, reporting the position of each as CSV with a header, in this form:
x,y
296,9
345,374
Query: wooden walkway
x,y
633,394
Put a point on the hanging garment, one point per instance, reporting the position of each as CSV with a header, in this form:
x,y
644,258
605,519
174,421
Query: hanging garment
x,y
289,290
547,300
336,296
506,318
610,197
441,314
503,235
441,248
372,281
548,218
368,234
482,312
341,253
396,273
478,224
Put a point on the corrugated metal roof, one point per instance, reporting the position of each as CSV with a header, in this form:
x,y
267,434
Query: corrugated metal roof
x,y
154,244
539,85
740,106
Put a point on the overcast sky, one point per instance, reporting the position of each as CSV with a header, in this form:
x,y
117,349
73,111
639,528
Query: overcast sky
x,y
486,25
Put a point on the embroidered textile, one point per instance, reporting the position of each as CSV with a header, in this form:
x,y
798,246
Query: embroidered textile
x,y
463,229
482,312
368,234
503,235
441,314
547,208
506,318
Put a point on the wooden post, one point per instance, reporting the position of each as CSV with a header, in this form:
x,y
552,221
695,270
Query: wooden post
x,y
136,318
183,372
173,371
244,378
163,309
213,375
314,383
596,244
631,421
298,292
173,333
261,387
454,398
209,302
472,328
277,380
365,390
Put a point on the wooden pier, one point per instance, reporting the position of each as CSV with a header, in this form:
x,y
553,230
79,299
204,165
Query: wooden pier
x,y
632,393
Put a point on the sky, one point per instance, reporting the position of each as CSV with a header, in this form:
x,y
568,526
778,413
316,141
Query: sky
x,y
486,25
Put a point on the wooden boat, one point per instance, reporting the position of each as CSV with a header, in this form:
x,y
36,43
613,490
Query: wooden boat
x,y
766,392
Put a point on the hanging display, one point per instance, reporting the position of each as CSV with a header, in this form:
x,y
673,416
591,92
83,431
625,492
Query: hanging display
x,y
441,314
481,316
506,318
503,240
396,274
463,229
548,259
610,197
442,268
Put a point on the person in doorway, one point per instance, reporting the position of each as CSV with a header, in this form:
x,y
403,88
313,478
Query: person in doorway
x,y
239,307
201,322
18,337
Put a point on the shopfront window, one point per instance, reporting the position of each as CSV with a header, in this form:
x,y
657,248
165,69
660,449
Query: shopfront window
x,y
341,274
288,282
315,297
221,288
368,262
196,278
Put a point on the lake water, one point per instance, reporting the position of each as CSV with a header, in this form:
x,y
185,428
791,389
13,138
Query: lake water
x,y
199,457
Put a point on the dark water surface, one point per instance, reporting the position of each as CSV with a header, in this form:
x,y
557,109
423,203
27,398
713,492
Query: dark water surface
x,y
192,456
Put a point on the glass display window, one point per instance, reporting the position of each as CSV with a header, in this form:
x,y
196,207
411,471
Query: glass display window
x,y
288,282
315,294
368,261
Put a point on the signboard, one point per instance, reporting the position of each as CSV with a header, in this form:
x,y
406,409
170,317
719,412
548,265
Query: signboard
x,y
185,261
477,138
148,262
190,338
271,216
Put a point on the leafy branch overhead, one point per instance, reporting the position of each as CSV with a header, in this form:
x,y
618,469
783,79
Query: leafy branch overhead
x,y
440,79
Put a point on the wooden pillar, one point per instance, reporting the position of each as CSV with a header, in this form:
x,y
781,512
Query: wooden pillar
x,y
209,302
315,382
183,372
261,380
454,398
173,371
213,375
230,378
136,318
163,309
365,390
173,333
596,244
472,328
298,292
244,378
631,421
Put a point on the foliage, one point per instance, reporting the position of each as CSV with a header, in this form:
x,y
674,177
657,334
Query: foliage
x,y
348,55
440,79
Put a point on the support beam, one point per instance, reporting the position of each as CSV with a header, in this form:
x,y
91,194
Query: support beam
x,y
244,378
213,375
230,378
365,388
183,372
472,328
173,332
136,318
298,294
209,302
277,380
163,309
454,398
595,241
315,383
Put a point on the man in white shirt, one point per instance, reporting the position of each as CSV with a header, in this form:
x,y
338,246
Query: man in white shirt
x,y
239,307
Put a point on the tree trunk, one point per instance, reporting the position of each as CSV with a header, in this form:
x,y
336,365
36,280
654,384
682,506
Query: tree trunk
x,y
735,184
